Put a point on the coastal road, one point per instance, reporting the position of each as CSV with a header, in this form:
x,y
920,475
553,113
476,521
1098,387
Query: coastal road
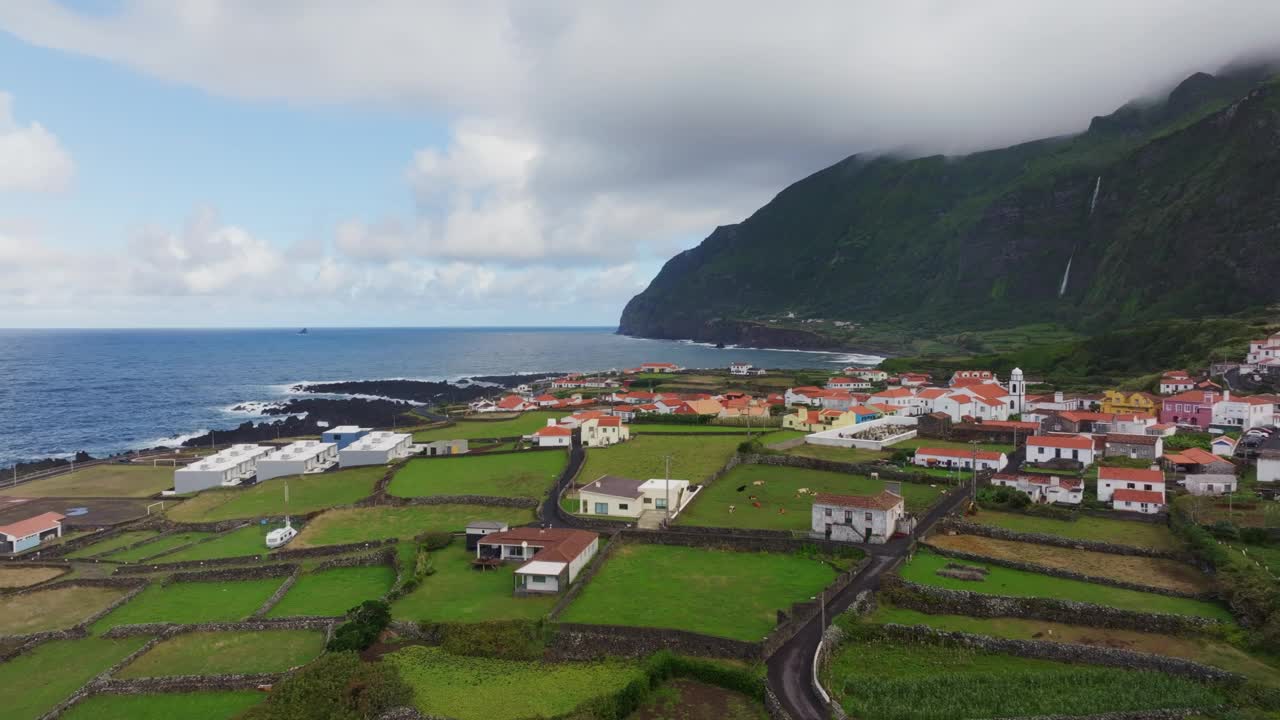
x,y
550,512
791,667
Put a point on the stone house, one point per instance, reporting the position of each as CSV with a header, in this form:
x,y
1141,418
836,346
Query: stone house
x,y
859,518
1136,447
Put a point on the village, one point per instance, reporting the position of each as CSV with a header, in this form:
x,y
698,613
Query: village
x,y
786,542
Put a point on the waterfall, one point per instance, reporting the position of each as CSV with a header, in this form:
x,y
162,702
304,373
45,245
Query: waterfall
x,y
1066,275
1093,200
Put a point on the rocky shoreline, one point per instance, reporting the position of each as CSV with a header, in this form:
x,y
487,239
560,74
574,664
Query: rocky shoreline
x,y
302,416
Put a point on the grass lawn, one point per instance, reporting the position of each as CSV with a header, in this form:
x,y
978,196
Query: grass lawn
x,y
35,681
919,442
113,543
472,429
1084,527
1197,648
457,593
640,428
474,688
20,577
220,705
880,681
217,653
711,508
1152,572
331,593
716,592
526,474
351,525
923,569
251,540
693,458
106,480
54,609
837,454
306,493
684,699
192,602
155,547
1268,555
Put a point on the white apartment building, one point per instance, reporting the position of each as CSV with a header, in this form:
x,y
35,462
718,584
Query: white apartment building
x,y
298,458
227,467
376,448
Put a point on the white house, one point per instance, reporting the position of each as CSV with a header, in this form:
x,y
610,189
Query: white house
x,y
847,383
604,431
1138,501
960,458
552,557
858,518
553,435
1044,448
660,367
376,448
227,467
897,397
1269,466
805,395
624,497
1176,381
742,368
1223,446
1243,411
30,532
1212,484
1044,488
871,374
1111,479
298,458
1263,350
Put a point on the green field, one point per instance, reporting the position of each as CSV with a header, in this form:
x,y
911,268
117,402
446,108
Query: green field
x,y
166,706
693,458
192,602
36,681
882,681
242,542
641,428
218,653
307,493
457,593
106,480
350,525
54,608
683,699
838,454
923,567
526,474
112,543
1084,527
155,547
474,688
1199,648
716,592
331,593
473,429
711,508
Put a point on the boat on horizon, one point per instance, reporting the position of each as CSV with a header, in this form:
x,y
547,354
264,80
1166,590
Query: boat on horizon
x,y
303,331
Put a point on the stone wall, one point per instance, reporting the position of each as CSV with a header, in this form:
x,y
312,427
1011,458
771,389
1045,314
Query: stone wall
x,y
88,688
244,559
803,612
1065,574
1062,652
575,641
259,625
886,472
385,557
278,595
183,683
941,601
229,574
30,641
773,706
962,527
747,542
486,500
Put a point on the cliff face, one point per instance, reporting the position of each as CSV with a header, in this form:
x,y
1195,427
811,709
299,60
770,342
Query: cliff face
x,y
1159,210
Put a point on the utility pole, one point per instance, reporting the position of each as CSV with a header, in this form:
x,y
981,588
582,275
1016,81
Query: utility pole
x,y
974,443
667,487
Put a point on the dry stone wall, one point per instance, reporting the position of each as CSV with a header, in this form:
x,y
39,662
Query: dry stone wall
x,y
967,528
575,641
230,574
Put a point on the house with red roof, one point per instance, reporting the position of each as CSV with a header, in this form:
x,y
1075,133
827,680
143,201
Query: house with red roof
x,y
546,401
804,395
848,383
604,431
913,379
1176,381
1139,501
1195,460
1244,411
30,532
1047,448
903,398
1111,479
1191,408
553,435
960,458
1043,489
515,403
550,558
859,518
660,367
1264,351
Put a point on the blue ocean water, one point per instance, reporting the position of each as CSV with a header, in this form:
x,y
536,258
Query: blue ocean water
x,y
105,391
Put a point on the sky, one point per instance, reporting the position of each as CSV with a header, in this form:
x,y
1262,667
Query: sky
x,y
191,163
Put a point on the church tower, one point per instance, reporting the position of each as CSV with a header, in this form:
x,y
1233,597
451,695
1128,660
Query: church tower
x,y
1018,389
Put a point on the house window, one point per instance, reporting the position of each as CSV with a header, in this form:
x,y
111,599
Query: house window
x,y
662,504
1146,486
1131,486
648,501
602,508
848,516
866,516
828,512
622,506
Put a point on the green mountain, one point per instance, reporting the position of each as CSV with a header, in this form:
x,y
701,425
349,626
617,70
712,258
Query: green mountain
x,y
1161,209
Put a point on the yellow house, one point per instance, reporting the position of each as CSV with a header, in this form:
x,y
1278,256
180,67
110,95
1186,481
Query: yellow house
x,y
1119,402
807,420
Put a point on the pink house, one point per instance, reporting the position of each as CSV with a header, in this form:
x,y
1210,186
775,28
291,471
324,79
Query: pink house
x,y
1193,407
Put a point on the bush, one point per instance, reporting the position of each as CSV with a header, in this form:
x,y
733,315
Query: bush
x,y
363,626
503,639
750,447
337,686
432,541
1225,530
1255,536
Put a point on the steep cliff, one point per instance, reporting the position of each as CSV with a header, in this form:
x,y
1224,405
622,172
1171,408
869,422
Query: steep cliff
x,y
1157,210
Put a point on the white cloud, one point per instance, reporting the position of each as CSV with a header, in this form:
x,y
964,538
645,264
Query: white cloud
x,y
31,158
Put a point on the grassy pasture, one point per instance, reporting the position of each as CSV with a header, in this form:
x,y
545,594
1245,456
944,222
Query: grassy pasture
x,y
1085,527
307,493
20,577
473,429
157,546
330,593
192,602
218,705
106,480
528,474
54,608
216,653
457,593
349,525
693,458
112,543
241,542
37,680
683,699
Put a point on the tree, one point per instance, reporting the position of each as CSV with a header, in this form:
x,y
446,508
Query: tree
x,y
337,686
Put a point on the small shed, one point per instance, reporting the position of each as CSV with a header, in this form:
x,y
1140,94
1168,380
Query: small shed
x,y
480,528
26,534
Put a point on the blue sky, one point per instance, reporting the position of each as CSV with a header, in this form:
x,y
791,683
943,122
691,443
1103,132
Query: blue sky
x,y
244,163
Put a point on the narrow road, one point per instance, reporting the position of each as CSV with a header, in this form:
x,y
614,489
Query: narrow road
x,y
791,667
550,512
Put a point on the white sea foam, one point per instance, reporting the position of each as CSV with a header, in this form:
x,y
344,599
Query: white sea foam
x,y
171,441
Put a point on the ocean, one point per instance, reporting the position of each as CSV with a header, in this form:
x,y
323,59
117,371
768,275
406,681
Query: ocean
x,y
106,391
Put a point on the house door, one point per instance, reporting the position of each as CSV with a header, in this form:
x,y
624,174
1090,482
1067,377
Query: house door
x,y
866,535
602,508
828,532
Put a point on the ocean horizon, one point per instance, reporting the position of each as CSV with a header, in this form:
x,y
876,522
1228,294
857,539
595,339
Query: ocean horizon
x,y
108,390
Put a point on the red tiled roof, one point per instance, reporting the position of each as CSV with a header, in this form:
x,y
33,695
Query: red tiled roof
x,y
1086,416
893,393
932,393
32,525
958,453
558,544
1204,397
1130,474
1138,496
1194,456
609,422
1074,442
884,500
553,431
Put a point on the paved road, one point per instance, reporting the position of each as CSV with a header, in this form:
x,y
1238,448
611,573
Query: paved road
x,y
791,667
550,504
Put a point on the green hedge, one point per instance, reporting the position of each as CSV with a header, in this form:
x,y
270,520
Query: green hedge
x,y
659,668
